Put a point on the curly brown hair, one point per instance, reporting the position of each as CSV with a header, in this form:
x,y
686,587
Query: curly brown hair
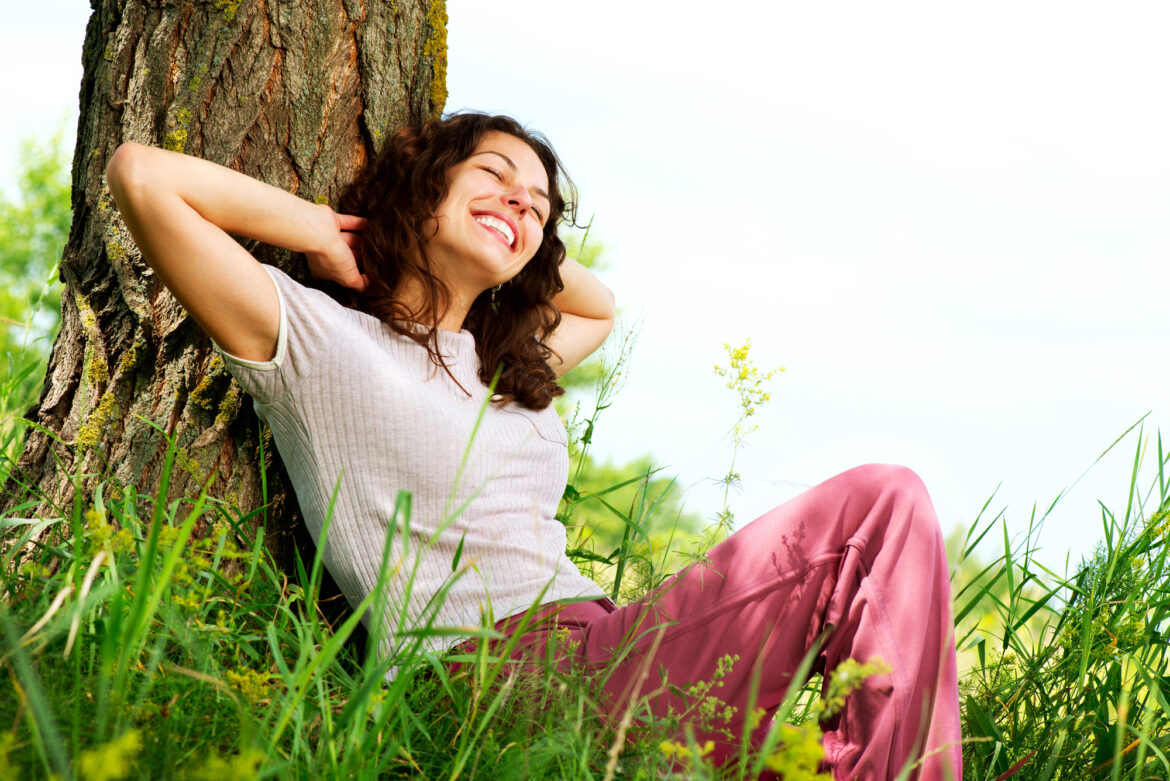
x,y
399,192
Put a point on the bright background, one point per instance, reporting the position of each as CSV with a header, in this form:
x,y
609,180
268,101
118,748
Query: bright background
x,y
951,225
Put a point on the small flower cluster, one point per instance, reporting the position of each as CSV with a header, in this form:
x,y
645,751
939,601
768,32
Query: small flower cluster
x,y
194,598
104,536
848,677
681,751
253,685
746,379
244,765
221,625
112,760
706,709
799,754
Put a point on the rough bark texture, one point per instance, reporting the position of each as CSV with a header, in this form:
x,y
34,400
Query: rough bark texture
x,y
298,94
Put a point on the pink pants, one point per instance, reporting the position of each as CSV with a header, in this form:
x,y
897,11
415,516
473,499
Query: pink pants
x,y
860,555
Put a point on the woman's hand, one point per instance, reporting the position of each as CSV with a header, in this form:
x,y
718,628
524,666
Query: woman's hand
x,y
337,260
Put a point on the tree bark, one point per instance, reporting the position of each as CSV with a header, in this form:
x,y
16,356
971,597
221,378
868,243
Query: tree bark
x,y
298,94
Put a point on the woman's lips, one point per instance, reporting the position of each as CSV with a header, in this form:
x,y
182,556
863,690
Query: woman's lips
x,y
499,226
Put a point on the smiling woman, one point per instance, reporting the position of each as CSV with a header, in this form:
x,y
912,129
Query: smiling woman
x,y
437,380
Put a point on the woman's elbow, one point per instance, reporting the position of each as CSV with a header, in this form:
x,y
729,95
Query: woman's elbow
x,y
124,172
610,304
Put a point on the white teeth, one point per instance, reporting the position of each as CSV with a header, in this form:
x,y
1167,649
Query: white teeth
x,y
495,223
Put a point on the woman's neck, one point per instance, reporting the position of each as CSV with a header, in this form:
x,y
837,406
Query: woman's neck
x,y
410,293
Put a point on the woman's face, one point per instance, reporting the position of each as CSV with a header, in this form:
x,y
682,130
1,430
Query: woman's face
x,y
492,221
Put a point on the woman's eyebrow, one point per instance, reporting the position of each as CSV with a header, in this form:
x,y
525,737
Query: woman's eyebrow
x,y
512,165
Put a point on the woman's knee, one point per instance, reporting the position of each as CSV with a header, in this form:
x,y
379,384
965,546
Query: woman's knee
x,y
895,486
886,478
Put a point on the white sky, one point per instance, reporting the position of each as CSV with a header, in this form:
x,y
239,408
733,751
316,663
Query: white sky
x,y
951,225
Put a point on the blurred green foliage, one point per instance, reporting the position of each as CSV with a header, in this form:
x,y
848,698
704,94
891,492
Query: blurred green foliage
x,y
34,225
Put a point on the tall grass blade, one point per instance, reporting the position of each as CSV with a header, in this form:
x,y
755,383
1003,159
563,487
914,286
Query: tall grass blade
x,y
44,727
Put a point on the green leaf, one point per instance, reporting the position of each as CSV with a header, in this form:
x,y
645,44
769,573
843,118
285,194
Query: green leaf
x,y
458,553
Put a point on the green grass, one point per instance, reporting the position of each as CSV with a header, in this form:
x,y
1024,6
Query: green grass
x,y
1071,676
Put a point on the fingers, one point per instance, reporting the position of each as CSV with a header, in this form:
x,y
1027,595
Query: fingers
x,y
350,222
356,281
353,278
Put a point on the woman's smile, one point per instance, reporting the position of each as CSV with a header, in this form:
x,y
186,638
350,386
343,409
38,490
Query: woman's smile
x,y
500,226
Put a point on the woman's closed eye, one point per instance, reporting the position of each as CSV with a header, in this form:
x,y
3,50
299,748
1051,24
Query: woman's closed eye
x,y
538,215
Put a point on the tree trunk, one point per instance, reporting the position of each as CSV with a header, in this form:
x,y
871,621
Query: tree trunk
x,y
298,94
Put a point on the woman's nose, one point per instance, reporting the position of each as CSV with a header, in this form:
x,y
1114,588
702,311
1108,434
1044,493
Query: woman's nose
x,y
520,198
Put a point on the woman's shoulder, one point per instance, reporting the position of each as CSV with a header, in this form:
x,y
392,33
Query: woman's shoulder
x,y
317,303
293,287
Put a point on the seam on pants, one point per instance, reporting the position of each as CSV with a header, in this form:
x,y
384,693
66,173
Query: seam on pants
x,y
681,627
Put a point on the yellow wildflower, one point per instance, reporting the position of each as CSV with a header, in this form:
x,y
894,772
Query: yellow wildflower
x,y
111,761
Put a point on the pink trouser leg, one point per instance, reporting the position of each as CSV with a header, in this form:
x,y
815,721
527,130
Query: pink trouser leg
x,y
860,554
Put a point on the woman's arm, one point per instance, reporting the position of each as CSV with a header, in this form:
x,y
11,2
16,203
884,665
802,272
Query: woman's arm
x,y
587,314
180,210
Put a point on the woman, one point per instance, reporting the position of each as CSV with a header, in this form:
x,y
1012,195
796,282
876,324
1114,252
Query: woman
x,y
460,284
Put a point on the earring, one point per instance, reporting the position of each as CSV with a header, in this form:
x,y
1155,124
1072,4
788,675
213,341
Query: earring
x,y
494,305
